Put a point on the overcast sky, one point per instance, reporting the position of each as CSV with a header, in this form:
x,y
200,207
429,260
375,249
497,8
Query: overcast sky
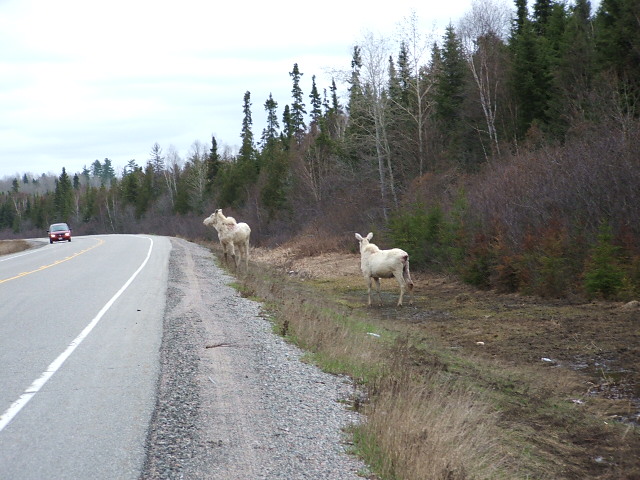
x,y
83,80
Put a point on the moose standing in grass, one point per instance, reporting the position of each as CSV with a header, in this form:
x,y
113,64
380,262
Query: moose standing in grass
x,y
377,264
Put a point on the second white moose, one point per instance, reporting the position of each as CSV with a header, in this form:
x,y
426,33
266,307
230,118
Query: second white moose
x,y
377,264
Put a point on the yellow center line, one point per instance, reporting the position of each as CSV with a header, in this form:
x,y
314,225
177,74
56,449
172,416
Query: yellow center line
x,y
57,262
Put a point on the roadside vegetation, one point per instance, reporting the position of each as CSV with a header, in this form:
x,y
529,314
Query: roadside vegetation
x,y
13,246
503,156
464,385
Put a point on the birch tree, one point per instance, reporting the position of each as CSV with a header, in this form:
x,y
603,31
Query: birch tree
x,y
417,85
374,77
482,32
197,175
171,172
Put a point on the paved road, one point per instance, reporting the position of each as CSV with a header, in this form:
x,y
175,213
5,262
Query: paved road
x,y
80,331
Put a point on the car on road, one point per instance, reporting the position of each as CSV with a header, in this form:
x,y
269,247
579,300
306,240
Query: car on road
x,y
59,232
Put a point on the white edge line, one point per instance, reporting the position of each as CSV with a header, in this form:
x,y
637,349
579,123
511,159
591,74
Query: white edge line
x,y
37,384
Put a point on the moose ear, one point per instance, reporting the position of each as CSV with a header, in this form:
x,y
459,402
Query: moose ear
x,y
358,236
370,236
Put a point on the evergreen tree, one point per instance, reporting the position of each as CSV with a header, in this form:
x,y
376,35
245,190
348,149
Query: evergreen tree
x,y
64,196
146,190
235,178
335,104
129,186
449,94
157,159
287,125
316,103
575,68
86,174
355,87
541,15
394,89
522,18
247,149
617,41
7,213
275,178
270,132
89,204
213,165
298,111
359,122
181,205
405,75
108,173
130,167
96,169
530,74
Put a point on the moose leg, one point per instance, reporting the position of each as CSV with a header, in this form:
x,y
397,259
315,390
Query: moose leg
x,y
377,280
224,251
400,280
233,255
369,291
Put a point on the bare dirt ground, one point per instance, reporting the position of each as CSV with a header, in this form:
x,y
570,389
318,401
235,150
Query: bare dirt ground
x,y
571,381
597,341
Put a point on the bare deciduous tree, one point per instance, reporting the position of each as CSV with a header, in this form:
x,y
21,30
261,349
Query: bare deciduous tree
x,y
374,76
482,31
419,84
197,175
171,172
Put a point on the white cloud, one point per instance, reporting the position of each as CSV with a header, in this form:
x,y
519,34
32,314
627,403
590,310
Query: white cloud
x,y
82,80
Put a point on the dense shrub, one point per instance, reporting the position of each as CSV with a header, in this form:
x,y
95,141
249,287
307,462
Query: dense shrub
x,y
432,240
603,274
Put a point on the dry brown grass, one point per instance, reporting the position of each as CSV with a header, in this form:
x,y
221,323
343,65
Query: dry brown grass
x,y
13,246
433,429
417,427
437,405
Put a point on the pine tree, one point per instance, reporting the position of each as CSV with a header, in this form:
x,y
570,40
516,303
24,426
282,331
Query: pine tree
x,y
335,104
234,178
247,149
96,169
530,74
298,111
64,196
358,121
405,75
157,159
541,15
287,126
316,103
129,186
449,94
355,87
108,173
575,68
213,165
270,132
617,41
521,20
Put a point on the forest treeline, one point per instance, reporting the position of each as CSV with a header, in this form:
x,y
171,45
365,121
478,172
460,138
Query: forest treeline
x,y
505,152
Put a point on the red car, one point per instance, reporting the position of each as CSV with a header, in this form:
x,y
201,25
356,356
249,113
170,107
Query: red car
x,y
59,232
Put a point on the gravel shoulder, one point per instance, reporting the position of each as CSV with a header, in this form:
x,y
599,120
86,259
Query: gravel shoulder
x,y
234,400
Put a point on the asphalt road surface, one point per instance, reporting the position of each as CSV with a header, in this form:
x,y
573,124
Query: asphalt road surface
x,y
80,331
